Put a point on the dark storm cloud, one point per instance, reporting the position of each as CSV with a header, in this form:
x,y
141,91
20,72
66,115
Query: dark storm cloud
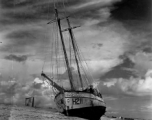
x,y
132,10
136,18
124,70
8,4
146,44
20,39
147,50
88,12
17,58
25,11
25,37
21,3
20,12
96,10
134,14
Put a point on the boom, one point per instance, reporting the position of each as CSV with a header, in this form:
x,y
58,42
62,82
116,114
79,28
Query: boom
x,y
53,83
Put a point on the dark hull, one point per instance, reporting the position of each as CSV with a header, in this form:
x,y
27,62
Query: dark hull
x,y
90,113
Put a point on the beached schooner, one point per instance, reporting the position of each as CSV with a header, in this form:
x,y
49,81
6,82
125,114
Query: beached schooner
x,y
81,99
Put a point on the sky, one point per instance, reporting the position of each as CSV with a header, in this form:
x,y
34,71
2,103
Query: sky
x,y
114,38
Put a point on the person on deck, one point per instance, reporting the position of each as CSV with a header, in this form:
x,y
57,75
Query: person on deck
x,y
91,89
94,91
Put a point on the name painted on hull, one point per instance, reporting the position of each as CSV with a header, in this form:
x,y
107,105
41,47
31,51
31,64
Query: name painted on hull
x,y
77,101
72,100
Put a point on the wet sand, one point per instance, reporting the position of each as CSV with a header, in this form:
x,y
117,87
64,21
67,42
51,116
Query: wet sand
x,y
12,112
9,112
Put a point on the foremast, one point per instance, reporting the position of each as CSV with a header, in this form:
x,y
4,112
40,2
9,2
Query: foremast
x,y
58,20
64,49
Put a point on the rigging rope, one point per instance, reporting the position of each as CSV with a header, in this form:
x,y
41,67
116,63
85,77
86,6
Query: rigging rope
x,y
77,51
79,57
56,52
56,57
54,3
65,11
70,49
84,67
44,48
44,64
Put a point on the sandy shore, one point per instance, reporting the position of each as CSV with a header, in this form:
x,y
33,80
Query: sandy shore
x,y
9,112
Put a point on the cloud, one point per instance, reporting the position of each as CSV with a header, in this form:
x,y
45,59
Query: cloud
x,y
147,50
130,77
93,9
16,3
131,10
16,92
134,64
34,14
22,10
123,70
142,63
27,11
99,67
133,86
136,22
17,58
23,40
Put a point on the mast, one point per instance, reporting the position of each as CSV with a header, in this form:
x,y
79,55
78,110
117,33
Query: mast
x,y
75,49
64,49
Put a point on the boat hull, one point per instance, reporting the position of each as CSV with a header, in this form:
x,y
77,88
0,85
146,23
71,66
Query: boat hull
x,y
90,113
81,104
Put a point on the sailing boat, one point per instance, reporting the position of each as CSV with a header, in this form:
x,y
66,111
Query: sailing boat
x,y
81,99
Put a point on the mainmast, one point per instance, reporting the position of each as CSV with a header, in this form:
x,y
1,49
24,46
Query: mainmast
x,y
64,49
75,49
